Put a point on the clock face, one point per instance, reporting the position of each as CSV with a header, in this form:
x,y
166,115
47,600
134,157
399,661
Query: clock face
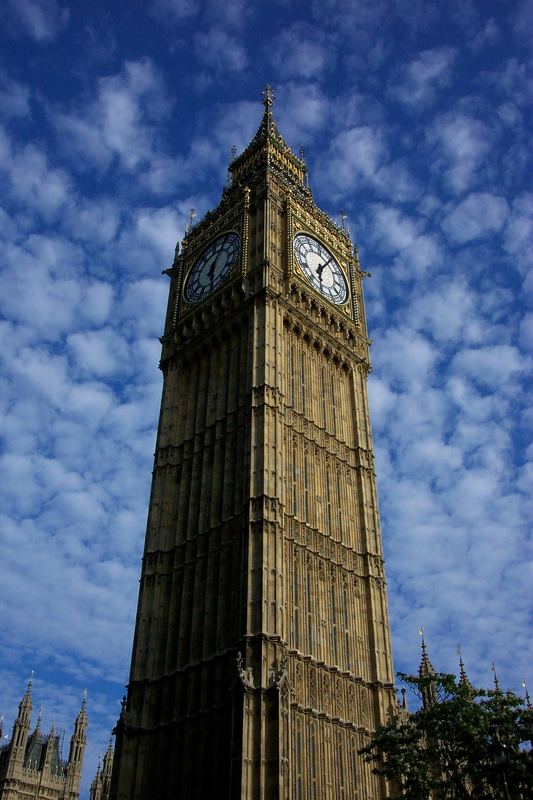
x,y
320,268
212,267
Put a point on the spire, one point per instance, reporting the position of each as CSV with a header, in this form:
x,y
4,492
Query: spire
x,y
524,687
463,677
269,151
426,670
108,758
25,704
81,719
496,681
426,667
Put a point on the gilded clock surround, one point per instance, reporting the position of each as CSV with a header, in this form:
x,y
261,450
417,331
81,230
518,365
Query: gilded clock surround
x,y
262,644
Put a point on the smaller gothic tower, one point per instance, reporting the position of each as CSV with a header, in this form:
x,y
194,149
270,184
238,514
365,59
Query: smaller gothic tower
x,y
21,730
102,780
427,670
78,743
31,764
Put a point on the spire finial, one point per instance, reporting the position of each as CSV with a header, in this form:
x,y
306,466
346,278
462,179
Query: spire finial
x,y
84,695
463,677
524,687
421,634
268,98
496,681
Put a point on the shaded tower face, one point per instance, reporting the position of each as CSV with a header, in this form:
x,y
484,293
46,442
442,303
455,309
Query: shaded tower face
x,y
261,658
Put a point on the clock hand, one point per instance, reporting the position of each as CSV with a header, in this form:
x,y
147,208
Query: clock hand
x,y
320,269
211,270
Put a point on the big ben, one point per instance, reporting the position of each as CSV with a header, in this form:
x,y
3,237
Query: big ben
x,y
261,658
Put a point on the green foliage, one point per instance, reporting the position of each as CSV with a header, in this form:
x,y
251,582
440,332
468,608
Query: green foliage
x,y
463,743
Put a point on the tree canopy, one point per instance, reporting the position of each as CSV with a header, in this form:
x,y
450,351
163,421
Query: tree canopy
x,y
461,743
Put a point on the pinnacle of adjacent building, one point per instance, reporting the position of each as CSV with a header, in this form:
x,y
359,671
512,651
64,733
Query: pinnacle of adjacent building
x,y
269,139
463,677
496,679
81,719
426,668
527,697
25,704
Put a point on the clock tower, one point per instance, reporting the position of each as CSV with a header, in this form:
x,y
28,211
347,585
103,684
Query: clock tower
x,y
261,659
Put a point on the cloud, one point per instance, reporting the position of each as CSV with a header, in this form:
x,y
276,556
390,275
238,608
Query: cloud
x,y
418,83
480,214
220,51
118,125
31,181
301,51
302,111
493,366
100,353
43,20
460,144
175,10
14,97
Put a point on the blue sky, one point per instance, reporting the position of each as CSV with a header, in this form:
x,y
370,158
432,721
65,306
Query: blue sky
x,y
113,123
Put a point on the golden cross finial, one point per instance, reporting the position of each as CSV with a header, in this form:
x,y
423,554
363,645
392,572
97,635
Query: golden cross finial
x,y
268,96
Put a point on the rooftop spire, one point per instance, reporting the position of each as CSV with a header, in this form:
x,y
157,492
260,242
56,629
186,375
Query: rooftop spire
x,y
524,687
268,98
496,681
426,670
463,677
426,667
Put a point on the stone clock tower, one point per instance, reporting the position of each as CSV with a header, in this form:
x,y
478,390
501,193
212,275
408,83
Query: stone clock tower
x,y
261,660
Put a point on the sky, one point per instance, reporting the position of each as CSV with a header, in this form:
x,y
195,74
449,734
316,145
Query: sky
x,y
414,116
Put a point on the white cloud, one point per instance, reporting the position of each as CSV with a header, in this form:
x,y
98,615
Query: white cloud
x,y
301,51
493,366
100,353
518,235
175,10
220,50
14,97
30,180
43,20
302,111
461,144
418,83
117,125
479,214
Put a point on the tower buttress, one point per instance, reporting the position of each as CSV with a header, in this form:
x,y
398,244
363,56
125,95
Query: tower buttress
x,y
21,730
78,742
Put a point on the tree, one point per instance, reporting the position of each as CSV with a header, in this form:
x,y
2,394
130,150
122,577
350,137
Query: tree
x,y
462,743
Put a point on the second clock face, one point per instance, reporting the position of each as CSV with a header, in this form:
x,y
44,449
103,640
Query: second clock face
x,y
320,268
212,267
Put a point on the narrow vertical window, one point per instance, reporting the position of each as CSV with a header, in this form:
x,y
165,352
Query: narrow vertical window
x,y
292,375
346,627
340,756
302,374
306,489
294,487
334,648
328,500
333,406
323,386
296,603
299,768
339,503
309,614
312,756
